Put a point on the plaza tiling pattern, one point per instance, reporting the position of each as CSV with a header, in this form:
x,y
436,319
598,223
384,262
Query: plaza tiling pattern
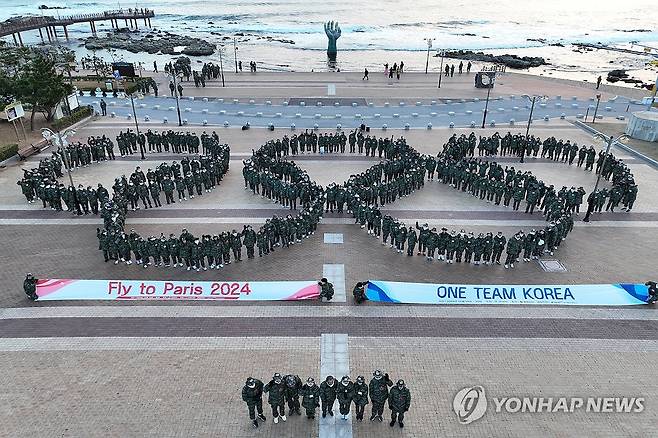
x,y
166,369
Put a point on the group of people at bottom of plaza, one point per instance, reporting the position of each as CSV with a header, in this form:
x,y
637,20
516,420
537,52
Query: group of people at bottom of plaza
x,y
289,388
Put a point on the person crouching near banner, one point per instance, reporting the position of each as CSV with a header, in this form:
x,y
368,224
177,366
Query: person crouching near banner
x,y
310,397
252,394
653,292
276,390
359,292
30,287
326,289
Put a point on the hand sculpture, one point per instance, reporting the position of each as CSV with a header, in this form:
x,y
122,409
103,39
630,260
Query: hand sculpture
x,y
333,32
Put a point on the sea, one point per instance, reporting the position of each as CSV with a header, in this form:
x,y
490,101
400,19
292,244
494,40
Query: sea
x,y
288,35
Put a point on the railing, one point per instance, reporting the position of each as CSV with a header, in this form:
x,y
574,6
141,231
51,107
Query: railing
x,y
7,28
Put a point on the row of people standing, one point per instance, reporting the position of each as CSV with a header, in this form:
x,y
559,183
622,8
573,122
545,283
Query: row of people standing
x,y
289,389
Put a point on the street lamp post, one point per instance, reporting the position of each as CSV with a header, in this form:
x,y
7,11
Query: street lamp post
x,y
653,99
141,145
532,99
235,53
487,80
221,65
610,140
61,143
429,46
596,110
442,53
174,75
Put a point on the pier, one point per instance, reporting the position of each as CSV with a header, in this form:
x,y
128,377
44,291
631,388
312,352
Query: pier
x,y
16,26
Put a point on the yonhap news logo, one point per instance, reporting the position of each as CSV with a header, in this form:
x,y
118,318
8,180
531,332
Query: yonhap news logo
x,y
470,404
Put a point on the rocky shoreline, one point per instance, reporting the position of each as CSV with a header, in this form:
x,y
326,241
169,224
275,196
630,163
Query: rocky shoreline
x,y
511,61
154,42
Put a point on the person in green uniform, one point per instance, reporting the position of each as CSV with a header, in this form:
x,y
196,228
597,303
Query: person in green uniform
x,y
30,287
310,397
328,396
399,400
276,397
252,395
360,397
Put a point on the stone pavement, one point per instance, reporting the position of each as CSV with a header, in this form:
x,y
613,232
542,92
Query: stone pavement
x,y
88,369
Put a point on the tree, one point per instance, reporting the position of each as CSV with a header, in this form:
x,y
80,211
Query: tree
x,y
40,86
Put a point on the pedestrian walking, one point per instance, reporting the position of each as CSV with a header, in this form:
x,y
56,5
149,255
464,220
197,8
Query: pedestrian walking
x,y
598,82
103,107
365,75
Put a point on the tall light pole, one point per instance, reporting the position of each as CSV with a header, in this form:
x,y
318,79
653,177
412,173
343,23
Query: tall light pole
x,y
489,81
596,110
221,65
60,141
610,140
429,46
141,145
653,99
235,52
532,99
442,52
173,76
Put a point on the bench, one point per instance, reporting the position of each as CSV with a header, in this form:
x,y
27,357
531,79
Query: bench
x,y
31,149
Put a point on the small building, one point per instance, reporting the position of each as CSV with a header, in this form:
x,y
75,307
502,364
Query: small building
x,y
643,125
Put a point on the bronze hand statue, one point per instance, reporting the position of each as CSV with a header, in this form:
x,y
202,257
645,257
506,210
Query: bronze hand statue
x,y
333,32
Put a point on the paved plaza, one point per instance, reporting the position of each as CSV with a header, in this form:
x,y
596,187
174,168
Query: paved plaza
x,y
176,369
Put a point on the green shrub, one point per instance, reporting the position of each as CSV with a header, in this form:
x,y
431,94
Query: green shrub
x,y
77,115
8,151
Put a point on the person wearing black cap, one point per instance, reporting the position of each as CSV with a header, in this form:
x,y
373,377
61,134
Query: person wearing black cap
x,y
276,389
30,287
378,389
399,400
345,394
328,395
359,292
326,289
252,394
360,397
293,386
653,292
310,397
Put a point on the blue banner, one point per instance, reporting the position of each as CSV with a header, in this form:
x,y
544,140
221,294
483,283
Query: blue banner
x,y
562,295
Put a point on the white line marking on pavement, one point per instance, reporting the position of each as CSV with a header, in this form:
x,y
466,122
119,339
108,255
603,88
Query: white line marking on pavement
x,y
336,275
333,237
331,89
334,361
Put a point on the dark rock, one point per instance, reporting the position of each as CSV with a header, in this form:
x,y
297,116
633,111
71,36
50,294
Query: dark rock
x,y
512,61
151,43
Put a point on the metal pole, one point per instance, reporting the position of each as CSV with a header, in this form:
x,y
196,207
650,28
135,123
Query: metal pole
x,y
441,69
221,67
590,205
527,129
598,101
653,99
68,169
427,61
180,123
141,146
235,53
486,107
